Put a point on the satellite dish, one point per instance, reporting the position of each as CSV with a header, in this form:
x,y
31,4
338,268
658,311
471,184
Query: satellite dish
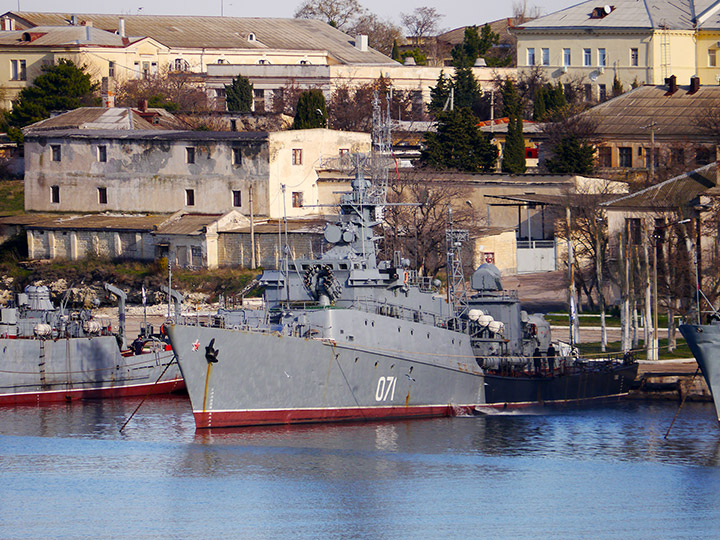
x,y
593,77
607,9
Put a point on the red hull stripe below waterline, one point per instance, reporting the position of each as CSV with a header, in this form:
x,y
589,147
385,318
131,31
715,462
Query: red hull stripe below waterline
x,y
297,416
108,392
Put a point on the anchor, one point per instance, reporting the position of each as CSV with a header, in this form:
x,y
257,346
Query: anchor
x,y
211,353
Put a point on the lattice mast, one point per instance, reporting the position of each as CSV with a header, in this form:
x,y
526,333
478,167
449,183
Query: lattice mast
x,y
456,289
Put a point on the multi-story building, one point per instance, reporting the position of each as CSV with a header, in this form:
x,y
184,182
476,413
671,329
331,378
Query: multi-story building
x,y
635,41
273,53
82,170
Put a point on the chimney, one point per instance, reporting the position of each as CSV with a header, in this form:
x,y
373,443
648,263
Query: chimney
x,y
142,105
108,92
694,84
361,42
121,27
671,83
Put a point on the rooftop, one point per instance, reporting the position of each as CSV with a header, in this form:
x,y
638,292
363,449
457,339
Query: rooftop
x,y
251,33
676,192
636,14
673,115
96,118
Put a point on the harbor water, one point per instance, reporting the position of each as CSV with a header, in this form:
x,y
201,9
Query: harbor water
x,y
67,472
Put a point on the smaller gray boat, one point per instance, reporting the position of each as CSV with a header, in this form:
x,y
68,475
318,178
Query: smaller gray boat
x,y
50,354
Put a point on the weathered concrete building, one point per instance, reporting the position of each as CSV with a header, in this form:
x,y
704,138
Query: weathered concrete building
x,y
258,173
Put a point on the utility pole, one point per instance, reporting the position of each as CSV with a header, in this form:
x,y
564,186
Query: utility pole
x,y
651,165
252,231
572,309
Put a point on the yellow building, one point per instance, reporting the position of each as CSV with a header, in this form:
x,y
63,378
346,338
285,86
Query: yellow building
x,y
23,53
635,41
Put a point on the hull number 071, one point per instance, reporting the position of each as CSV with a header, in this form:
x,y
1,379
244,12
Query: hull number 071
x,y
385,389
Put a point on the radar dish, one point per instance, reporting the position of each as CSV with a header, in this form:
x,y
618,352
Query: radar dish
x,y
593,77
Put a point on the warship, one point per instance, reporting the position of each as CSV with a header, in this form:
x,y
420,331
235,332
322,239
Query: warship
x,y
346,337
704,343
50,354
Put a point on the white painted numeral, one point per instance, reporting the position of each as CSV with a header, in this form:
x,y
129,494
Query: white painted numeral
x,y
385,388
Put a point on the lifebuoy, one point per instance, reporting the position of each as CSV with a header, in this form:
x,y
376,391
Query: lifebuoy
x,y
405,277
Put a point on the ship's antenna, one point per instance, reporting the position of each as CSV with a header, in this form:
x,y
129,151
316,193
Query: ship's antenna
x,y
456,290
286,250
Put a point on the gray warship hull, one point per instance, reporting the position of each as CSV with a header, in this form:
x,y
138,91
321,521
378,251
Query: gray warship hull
x,y
704,342
270,378
36,371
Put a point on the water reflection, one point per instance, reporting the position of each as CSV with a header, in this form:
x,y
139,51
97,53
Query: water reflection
x,y
510,476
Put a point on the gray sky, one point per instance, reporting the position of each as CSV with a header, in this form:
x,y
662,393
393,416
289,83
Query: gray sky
x,y
457,12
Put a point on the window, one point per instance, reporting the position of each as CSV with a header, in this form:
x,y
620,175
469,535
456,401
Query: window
x,y
55,194
602,57
712,58
531,56
237,156
221,61
344,152
102,153
677,156
297,199
545,56
602,92
605,156
567,58
189,197
102,195
587,57
55,149
634,58
190,154
625,156
588,92
18,71
233,125
702,156
138,73
181,64
297,156
146,70
236,198
111,68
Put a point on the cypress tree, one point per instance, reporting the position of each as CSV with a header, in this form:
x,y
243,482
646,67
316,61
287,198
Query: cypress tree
x,y
514,153
395,54
539,105
439,94
466,88
310,111
239,95
572,156
459,144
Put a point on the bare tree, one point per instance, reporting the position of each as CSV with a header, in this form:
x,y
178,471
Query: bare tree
x,y
338,13
523,13
381,34
417,229
422,22
181,88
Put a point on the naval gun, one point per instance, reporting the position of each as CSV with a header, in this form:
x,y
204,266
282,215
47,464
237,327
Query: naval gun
x,y
176,297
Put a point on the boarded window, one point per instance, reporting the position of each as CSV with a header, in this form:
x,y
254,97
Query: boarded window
x,y
236,198
102,195
190,154
189,197
102,153
605,156
237,156
297,156
55,194
56,154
